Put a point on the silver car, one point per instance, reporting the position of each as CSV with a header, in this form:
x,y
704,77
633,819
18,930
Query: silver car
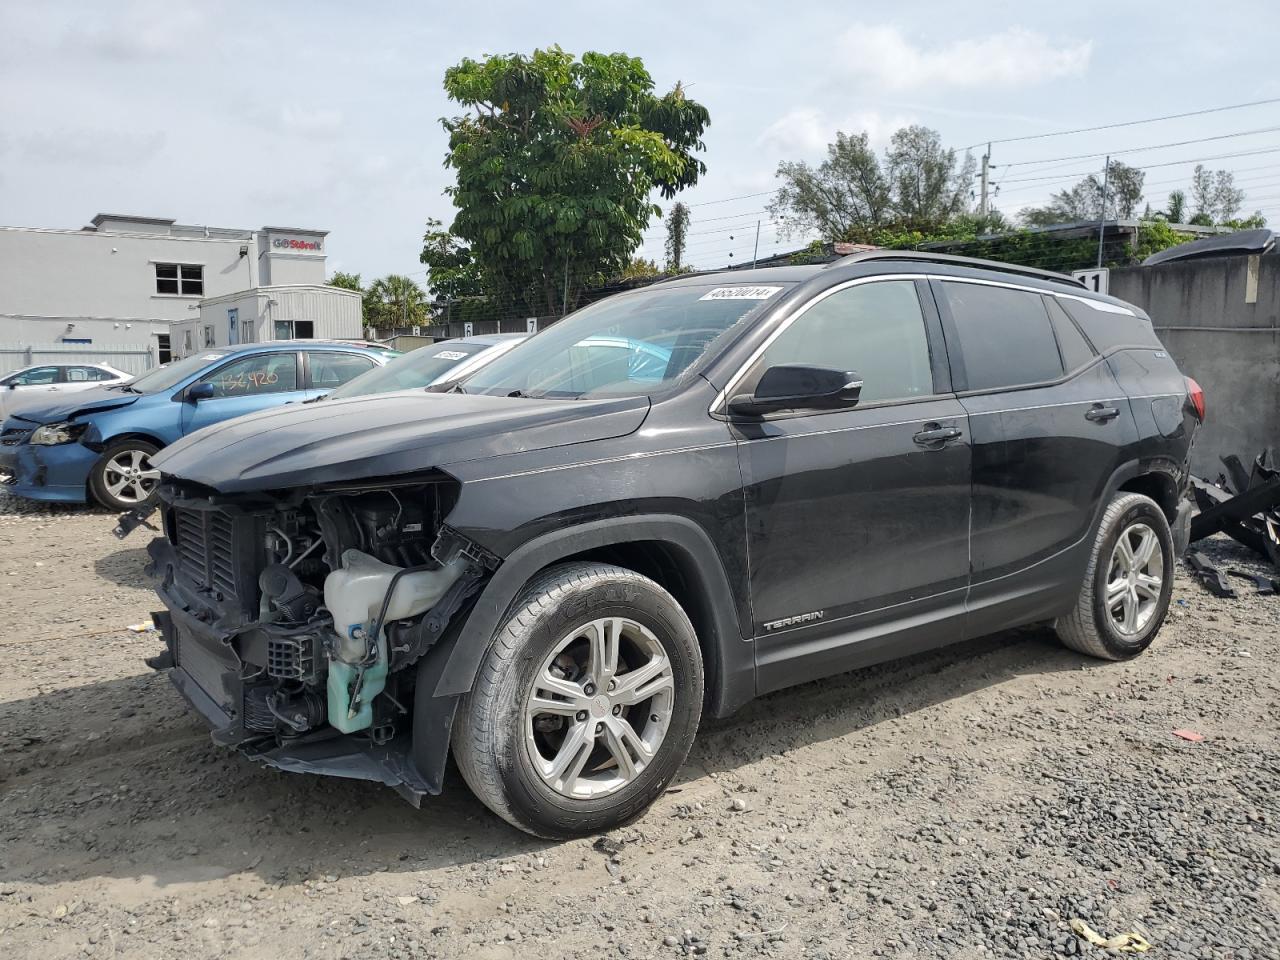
x,y
439,363
30,383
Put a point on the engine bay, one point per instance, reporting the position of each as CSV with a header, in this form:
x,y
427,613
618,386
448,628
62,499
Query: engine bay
x,y
298,615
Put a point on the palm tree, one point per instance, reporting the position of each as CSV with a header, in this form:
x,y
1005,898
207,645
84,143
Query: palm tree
x,y
394,301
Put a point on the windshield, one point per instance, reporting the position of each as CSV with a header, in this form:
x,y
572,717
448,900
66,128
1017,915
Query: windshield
x,y
419,368
627,345
172,374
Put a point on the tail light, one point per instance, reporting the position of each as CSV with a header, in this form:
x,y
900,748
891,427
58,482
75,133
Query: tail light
x,y
1195,396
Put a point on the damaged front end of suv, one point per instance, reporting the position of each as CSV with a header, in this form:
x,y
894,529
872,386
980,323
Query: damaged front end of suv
x,y
295,618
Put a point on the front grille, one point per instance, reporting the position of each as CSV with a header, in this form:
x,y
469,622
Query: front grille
x,y
14,436
205,541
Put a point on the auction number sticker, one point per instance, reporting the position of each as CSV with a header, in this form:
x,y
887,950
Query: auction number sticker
x,y
740,293
449,355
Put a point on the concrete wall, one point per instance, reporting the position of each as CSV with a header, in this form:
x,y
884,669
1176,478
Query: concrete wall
x,y
1220,320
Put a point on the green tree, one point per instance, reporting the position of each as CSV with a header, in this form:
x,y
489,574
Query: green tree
x,y
844,197
555,165
1084,201
677,235
346,281
929,187
394,301
1177,209
451,270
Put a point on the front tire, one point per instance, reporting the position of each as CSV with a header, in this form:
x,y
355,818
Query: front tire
x,y
585,705
1127,587
123,477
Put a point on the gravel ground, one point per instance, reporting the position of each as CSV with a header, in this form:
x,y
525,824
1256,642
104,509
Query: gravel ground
x,y
966,803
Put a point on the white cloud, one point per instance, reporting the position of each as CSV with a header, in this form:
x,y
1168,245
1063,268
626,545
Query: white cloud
x,y
806,131
140,31
310,120
882,55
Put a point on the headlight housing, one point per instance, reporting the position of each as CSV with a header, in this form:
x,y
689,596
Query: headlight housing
x,y
53,434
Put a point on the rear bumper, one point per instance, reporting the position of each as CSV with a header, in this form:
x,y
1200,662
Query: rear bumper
x,y
1181,527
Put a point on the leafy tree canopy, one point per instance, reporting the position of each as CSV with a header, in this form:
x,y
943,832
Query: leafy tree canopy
x,y
395,301
918,185
451,269
677,236
555,165
1084,200
347,281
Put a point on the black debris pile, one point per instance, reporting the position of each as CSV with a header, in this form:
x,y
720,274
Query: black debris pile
x,y
1245,505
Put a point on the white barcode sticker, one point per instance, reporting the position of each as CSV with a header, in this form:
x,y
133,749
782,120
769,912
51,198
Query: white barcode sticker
x,y
740,293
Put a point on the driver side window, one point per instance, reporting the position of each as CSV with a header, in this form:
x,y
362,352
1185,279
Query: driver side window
x,y
39,377
873,329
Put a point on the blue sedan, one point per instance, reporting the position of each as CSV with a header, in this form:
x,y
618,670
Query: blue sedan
x,y
99,442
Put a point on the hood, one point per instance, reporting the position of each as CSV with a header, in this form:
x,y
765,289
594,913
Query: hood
x,y
55,408
386,435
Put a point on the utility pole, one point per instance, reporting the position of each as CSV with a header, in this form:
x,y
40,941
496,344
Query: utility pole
x,y
986,179
1102,214
756,252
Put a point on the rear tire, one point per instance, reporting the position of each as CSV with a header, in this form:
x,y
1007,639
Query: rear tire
x,y
1127,587
585,705
123,477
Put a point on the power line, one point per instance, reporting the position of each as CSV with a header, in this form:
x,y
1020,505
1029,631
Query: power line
x,y
745,196
1061,177
1156,146
1127,123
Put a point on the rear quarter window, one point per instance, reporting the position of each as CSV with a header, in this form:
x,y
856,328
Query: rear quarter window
x,y
1108,329
1076,351
1005,339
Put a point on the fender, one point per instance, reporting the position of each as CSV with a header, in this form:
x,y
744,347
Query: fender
x,y
449,670
730,658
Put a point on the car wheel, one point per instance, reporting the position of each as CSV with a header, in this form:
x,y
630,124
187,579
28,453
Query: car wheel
x,y
585,705
1127,586
123,477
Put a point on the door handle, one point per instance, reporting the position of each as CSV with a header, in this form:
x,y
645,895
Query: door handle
x,y
1100,414
936,436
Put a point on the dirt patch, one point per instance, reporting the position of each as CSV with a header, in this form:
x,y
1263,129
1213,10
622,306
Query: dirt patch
x,y
965,803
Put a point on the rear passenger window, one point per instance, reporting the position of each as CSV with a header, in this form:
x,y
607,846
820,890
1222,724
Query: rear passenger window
x,y
1076,351
1005,337
332,370
873,329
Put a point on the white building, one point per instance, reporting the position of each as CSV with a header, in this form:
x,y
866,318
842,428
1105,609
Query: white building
x,y
132,291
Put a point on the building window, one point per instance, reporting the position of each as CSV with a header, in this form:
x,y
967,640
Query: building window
x,y
208,336
295,329
184,279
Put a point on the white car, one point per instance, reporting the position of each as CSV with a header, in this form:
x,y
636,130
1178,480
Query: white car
x,y
22,386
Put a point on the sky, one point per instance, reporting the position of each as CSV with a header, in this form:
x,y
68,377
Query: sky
x,y
327,115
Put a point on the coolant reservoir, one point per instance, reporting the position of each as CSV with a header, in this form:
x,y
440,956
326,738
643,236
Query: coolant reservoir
x,y
354,594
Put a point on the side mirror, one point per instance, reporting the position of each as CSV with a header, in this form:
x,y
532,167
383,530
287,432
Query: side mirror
x,y
13,386
793,386
199,391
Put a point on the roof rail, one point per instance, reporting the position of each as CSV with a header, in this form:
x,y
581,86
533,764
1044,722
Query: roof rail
x,y
926,257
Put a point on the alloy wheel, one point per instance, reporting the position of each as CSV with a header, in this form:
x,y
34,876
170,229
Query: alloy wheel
x,y
599,708
129,476
1135,579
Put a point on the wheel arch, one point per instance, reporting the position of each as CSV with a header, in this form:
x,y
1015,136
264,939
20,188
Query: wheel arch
x,y
671,550
133,435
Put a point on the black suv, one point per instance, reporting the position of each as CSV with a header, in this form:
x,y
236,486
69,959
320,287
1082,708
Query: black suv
x,y
668,503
